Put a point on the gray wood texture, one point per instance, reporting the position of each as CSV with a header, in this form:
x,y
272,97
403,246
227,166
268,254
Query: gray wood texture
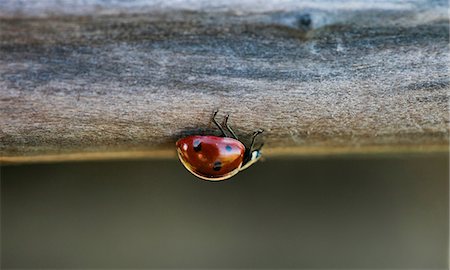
x,y
100,79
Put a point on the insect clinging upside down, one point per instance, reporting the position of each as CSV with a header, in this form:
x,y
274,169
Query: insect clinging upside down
x,y
216,158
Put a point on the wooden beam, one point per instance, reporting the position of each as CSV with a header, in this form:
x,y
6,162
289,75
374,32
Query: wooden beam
x,y
89,79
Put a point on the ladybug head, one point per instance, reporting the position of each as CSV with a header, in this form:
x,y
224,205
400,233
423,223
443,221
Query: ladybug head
x,y
252,156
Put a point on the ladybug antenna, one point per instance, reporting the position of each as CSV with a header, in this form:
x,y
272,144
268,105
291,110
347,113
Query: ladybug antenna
x,y
217,124
229,128
255,134
252,155
259,148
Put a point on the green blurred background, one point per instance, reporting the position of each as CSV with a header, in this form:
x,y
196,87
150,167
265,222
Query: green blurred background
x,y
348,212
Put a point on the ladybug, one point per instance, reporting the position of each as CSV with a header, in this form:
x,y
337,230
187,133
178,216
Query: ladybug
x,y
216,158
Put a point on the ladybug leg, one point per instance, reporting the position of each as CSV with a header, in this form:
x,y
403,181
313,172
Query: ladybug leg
x,y
255,134
217,124
229,128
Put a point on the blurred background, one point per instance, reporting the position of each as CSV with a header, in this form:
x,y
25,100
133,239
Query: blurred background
x,y
325,212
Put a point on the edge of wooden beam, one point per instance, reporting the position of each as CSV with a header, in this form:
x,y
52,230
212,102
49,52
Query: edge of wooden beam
x,y
278,152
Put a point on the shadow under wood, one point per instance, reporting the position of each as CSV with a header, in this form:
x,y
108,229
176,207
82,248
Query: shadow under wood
x,y
371,213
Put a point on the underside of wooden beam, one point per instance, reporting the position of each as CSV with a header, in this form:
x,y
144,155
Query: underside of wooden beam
x,y
127,81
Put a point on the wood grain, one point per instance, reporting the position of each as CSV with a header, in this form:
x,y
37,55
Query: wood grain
x,y
86,81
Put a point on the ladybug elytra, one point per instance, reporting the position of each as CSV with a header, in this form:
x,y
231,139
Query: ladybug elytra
x,y
217,158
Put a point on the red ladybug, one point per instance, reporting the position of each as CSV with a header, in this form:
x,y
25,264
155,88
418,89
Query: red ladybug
x,y
216,158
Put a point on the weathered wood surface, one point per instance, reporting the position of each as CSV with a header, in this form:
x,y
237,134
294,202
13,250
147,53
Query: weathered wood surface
x,y
94,79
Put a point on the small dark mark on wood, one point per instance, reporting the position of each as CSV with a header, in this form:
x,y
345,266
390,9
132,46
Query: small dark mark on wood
x,y
304,21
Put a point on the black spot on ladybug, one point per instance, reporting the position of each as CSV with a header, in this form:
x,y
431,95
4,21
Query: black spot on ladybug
x,y
197,146
228,148
217,166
